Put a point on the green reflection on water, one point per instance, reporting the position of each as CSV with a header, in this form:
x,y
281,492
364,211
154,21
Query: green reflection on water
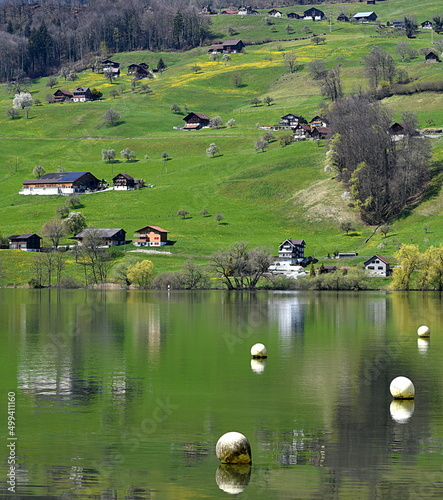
x,y
125,393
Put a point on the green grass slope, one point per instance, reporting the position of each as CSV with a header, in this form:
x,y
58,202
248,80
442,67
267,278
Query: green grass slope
x,y
264,197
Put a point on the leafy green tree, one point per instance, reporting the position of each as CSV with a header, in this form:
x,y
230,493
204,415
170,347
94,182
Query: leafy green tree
x,y
410,27
76,222
38,171
290,61
431,272
218,218
96,94
111,118
408,259
141,273
127,154
212,150
347,226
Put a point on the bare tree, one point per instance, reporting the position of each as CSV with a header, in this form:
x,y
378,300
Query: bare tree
x,y
379,66
38,171
55,229
111,118
291,61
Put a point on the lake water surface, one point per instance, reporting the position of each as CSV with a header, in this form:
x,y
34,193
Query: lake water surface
x,y
124,394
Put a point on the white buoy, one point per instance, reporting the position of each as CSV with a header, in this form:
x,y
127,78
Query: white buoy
x,y
259,351
402,388
402,410
424,331
233,448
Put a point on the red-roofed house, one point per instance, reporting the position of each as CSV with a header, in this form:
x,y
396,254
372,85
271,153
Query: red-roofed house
x,y
150,236
378,266
194,121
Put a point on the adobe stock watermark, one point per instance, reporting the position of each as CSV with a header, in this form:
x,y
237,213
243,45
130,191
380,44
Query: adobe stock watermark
x,y
11,444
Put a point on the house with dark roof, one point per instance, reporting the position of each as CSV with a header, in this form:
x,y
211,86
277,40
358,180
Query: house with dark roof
x,y
81,94
195,121
319,121
343,18
150,236
427,25
26,241
364,17
126,182
432,57
108,237
378,266
63,95
227,47
64,183
294,15
112,66
290,120
314,14
302,131
291,251
140,70
275,13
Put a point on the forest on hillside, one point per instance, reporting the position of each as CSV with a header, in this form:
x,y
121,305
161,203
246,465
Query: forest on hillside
x,y
39,37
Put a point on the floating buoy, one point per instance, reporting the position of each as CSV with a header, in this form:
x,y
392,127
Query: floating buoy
x,y
424,331
233,479
402,410
233,448
402,388
259,351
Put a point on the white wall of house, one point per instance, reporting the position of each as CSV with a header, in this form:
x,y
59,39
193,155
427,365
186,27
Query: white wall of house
x,y
47,190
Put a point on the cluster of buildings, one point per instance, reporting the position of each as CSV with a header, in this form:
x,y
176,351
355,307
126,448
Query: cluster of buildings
x,y
147,236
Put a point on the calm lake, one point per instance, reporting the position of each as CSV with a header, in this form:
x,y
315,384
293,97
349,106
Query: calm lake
x,y
124,394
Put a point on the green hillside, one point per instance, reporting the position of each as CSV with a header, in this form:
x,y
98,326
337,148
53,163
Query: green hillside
x,y
264,197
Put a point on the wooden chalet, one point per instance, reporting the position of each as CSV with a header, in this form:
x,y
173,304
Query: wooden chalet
x,y
364,17
108,237
396,129
302,131
113,66
275,13
140,70
432,57
378,266
291,251
195,121
81,94
314,14
126,182
294,15
26,241
343,18
319,121
150,236
290,120
63,95
320,133
427,25
64,183
227,47
247,11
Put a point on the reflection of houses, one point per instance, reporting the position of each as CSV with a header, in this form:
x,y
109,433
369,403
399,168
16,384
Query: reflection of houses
x,y
314,14
364,17
229,46
108,237
126,182
65,183
432,57
291,250
149,236
378,266
26,241
63,95
195,121
81,94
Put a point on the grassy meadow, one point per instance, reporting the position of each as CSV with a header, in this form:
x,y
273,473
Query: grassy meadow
x,y
264,197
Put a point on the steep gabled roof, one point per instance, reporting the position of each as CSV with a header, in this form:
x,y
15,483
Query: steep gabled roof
x,y
24,236
102,232
155,228
377,257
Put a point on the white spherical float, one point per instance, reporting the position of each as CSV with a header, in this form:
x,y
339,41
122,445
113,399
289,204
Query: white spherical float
x,y
402,410
233,448
402,388
259,351
423,331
